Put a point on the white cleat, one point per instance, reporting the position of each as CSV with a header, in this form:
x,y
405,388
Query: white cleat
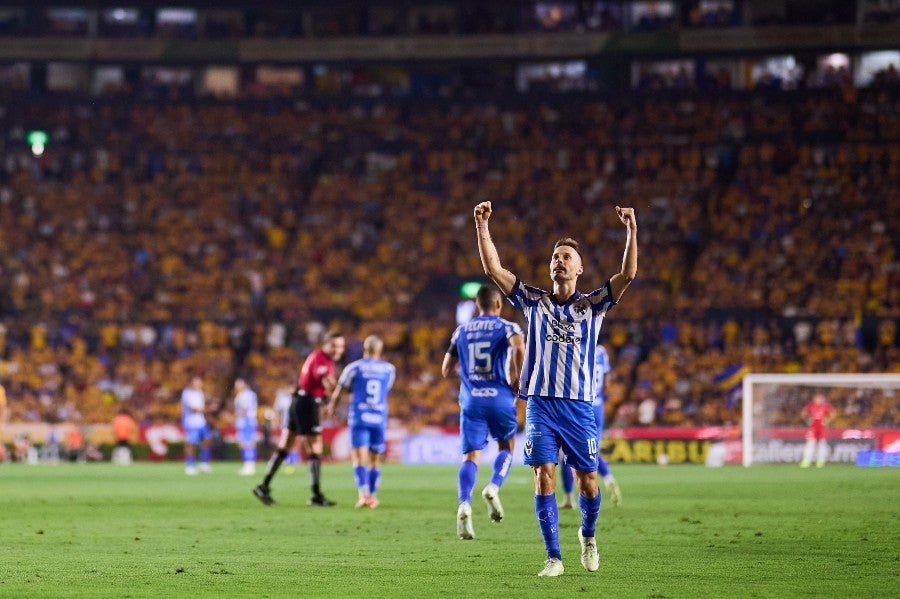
x,y
491,495
204,467
247,469
190,470
612,487
552,567
590,557
464,528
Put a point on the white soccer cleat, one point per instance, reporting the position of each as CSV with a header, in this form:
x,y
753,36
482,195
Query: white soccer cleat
x,y
590,557
248,469
464,528
491,496
612,487
190,470
552,567
204,467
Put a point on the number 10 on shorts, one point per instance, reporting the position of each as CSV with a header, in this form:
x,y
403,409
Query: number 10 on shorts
x,y
592,445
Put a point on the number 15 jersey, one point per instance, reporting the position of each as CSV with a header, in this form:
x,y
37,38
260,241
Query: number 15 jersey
x,y
483,348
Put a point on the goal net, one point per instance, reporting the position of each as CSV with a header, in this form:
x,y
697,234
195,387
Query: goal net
x,y
773,428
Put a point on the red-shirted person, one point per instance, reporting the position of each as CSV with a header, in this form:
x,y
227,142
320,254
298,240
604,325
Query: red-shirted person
x,y
318,376
818,413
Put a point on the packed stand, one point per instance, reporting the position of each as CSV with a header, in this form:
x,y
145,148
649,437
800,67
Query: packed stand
x,y
149,243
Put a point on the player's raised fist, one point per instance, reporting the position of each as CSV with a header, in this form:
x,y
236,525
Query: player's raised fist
x,y
626,215
482,212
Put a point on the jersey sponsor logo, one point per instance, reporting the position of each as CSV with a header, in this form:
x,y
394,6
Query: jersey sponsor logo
x,y
566,326
371,418
484,392
556,338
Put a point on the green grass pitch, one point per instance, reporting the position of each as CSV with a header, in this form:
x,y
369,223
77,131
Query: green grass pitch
x,y
147,530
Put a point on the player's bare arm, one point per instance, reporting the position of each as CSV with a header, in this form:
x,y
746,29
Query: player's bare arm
x,y
517,342
448,366
619,282
490,260
328,410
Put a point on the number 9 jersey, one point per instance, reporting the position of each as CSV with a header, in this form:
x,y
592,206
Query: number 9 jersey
x,y
483,348
369,381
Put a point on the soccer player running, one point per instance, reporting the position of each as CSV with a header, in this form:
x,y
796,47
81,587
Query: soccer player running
x,y
558,376
489,351
818,413
245,406
368,379
601,370
196,430
316,381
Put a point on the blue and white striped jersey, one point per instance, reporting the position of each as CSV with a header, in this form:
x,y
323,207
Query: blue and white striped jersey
x,y
601,367
245,404
561,344
369,381
482,347
193,404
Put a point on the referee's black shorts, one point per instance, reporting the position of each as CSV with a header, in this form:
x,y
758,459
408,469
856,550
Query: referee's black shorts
x,y
303,415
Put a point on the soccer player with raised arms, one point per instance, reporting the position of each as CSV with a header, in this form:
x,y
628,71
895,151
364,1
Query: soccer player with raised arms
x,y
489,351
369,380
558,376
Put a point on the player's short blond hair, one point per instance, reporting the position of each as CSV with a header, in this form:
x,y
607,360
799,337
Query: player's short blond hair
x,y
373,345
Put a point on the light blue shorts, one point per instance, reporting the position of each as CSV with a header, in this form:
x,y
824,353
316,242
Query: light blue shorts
x,y
193,436
476,421
246,435
367,435
552,424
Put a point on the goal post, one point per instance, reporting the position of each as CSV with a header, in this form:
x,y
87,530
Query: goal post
x,y
769,400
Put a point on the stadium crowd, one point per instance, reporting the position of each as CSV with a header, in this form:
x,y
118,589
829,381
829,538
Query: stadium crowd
x,y
152,241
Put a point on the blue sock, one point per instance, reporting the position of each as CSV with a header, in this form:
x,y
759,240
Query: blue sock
x,y
548,520
251,454
374,477
189,461
205,453
603,468
501,467
467,472
568,478
359,475
590,509
293,458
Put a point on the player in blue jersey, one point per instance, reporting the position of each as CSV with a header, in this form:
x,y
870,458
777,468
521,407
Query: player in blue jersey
x,y
369,380
602,368
489,351
245,405
196,430
558,376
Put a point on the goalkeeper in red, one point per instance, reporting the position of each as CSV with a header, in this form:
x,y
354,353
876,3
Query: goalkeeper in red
x,y
558,376
818,413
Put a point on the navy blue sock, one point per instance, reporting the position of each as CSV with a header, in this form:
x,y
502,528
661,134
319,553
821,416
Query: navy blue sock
x,y
590,509
374,478
568,478
603,468
548,520
501,467
467,471
359,475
